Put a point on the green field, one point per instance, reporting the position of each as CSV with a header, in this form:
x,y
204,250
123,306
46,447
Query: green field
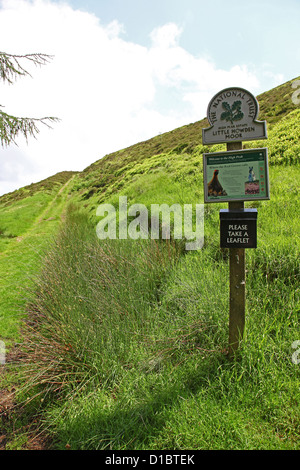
x,y
124,342
28,224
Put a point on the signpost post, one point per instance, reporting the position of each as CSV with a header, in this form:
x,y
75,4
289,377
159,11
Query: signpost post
x,y
235,176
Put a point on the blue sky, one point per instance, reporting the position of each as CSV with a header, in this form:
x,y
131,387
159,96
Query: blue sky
x,y
260,33
126,70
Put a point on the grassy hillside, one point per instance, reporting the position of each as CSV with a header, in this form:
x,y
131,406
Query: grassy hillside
x,y
125,341
277,103
29,218
179,152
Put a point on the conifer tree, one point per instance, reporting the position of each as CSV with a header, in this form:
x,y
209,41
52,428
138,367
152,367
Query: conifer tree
x,y
11,126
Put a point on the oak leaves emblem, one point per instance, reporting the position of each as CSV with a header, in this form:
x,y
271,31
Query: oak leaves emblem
x,y
232,113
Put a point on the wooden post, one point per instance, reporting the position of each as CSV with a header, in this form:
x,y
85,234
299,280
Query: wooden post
x,y
237,282
241,106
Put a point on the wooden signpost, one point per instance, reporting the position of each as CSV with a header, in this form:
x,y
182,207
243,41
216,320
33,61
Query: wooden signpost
x,y
235,176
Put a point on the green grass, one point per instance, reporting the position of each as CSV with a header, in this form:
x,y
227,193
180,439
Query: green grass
x,y
17,219
130,339
34,221
124,342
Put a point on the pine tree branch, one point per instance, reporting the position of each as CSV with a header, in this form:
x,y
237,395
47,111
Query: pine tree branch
x,y
11,68
11,127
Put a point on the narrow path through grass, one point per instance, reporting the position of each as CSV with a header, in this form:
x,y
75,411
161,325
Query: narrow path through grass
x,y
20,262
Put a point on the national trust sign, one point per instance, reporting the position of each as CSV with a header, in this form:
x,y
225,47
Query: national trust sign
x,y
232,115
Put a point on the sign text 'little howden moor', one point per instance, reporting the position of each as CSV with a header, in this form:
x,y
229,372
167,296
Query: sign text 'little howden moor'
x,y
232,114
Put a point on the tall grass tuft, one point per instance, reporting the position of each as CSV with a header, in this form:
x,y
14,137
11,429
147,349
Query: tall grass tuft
x,y
93,313
132,337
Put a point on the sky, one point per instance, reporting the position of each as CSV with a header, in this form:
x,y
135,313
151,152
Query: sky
x,y
124,71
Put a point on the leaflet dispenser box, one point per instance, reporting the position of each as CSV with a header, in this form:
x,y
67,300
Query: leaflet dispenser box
x,y
238,228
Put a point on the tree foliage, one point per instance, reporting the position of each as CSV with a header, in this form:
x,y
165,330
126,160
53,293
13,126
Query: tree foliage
x,y
10,126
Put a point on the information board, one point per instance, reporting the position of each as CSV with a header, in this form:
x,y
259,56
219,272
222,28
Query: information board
x,y
238,175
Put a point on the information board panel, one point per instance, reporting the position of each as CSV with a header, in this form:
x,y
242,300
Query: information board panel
x,y
237,175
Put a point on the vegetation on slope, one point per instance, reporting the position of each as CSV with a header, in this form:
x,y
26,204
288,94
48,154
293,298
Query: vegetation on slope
x,y
180,151
46,185
277,103
130,338
125,343
27,226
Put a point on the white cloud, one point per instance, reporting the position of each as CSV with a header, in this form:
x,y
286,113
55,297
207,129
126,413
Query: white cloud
x,y
166,36
108,93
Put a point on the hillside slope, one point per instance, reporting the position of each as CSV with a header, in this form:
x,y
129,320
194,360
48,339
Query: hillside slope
x,y
185,141
126,341
179,152
166,168
27,225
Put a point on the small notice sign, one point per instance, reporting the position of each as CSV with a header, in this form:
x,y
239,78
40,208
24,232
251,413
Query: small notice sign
x,y
232,114
238,228
238,175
